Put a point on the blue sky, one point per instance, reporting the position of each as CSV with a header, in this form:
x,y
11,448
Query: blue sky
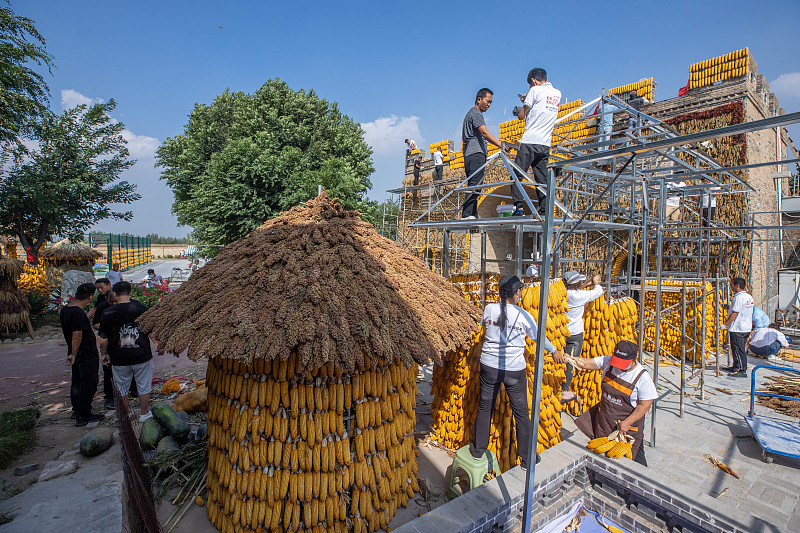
x,y
401,69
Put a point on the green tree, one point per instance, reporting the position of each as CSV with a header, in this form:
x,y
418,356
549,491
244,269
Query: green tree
x,y
247,157
23,91
70,181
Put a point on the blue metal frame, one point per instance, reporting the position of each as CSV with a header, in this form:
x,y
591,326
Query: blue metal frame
x,y
769,431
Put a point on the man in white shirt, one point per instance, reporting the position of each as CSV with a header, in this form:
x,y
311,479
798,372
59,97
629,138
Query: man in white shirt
x,y
739,324
113,275
539,111
438,164
532,271
152,279
767,342
577,298
674,201
410,147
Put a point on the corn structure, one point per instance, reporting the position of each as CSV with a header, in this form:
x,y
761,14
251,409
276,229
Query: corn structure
x,y
671,339
446,146
604,325
456,387
130,258
645,88
456,160
321,451
470,286
34,280
728,66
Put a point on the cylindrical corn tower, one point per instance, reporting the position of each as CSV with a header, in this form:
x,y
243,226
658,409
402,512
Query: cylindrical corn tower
x,y
313,326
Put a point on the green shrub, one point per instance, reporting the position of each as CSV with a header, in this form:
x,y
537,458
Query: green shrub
x,y
16,434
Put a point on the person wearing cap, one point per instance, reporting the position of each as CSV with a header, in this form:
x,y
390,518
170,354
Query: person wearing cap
x,y
627,392
577,298
503,362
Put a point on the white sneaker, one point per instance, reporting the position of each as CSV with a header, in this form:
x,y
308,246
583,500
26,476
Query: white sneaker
x,y
142,418
471,217
774,359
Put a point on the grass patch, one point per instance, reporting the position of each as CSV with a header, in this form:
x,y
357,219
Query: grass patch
x,y
16,434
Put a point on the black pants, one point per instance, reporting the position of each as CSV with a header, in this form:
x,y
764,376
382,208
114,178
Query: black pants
x,y
471,163
108,384
573,347
738,344
439,170
536,156
516,385
416,176
639,457
707,216
84,383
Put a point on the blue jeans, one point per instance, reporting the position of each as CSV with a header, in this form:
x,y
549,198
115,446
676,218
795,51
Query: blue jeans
x,y
767,351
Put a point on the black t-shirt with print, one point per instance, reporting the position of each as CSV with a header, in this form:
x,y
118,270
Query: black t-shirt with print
x,y
73,318
126,344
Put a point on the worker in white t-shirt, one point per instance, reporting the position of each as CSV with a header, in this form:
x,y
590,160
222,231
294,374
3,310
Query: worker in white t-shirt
x,y
410,147
539,111
627,392
503,362
674,201
708,203
113,275
767,342
532,271
577,298
739,324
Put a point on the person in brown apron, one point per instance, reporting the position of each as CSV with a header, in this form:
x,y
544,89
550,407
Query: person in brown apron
x,y
625,382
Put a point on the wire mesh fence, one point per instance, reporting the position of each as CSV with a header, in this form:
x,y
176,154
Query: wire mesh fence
x,y
142,517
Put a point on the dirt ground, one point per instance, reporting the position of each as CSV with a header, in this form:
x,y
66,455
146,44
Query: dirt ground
x,y
36,375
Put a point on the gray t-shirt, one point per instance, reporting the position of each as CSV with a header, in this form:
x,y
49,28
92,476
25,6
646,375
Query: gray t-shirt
x,y
472,141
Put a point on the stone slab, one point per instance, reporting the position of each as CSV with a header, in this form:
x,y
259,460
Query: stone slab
x,y
54,469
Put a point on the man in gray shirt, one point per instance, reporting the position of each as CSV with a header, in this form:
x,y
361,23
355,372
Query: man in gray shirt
x,y
474,135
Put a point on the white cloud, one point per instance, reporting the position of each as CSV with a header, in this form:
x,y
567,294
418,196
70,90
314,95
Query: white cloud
x,y
385,135
140,146
71,98
787,87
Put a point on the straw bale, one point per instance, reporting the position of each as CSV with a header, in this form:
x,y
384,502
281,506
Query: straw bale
x,y
319,281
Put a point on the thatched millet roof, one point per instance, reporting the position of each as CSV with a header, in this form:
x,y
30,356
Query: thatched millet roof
x,y
11,268
67,252
319,281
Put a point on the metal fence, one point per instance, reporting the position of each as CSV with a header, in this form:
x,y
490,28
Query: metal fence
x,y
128,250
142,517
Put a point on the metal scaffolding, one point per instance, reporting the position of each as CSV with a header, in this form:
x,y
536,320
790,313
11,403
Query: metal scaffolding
x,y
615,193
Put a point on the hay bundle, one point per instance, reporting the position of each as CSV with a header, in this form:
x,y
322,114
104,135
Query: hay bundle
x,y
14,306
313,325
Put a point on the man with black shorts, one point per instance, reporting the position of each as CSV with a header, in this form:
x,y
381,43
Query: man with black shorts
x,y
539,111
474,135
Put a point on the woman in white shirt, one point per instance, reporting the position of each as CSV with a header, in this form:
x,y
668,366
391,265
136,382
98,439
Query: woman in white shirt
x,y
577,298
767,342
503,362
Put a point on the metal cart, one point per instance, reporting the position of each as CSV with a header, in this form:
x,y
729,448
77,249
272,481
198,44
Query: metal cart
x,y
774,435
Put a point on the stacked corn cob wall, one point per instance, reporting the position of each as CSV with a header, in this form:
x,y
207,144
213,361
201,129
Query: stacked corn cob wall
x,y
131,258
34,280
456,387
670,339
470,286
645,88
604,325
309,452
721,68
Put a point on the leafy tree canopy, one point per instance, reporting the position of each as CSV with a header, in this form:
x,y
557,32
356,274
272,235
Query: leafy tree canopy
x,y
23,91
247,157
70,181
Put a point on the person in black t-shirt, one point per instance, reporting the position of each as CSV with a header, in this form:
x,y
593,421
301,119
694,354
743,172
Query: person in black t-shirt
x,y
108,376
126,348
103,286
81,354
